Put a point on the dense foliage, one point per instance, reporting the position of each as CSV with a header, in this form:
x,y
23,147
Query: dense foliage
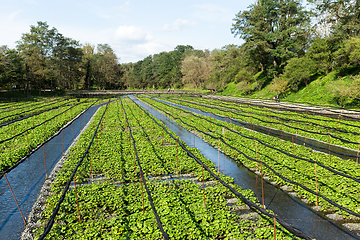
x,y
287,45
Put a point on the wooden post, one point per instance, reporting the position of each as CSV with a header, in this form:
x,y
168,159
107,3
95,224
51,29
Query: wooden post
x,y
177,156
262,187
91,175
224,138
329,147
142,192
316,185
274,228
28,147
292,137
77,202
15,199
257,164
203,182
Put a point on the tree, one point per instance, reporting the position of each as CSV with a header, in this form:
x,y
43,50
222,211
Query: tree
x,y
274,32
195,70
230,64
88,53
343,16
48,56
298,71
321,52
105,66
11,67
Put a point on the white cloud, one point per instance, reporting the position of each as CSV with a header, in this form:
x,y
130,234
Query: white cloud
x,y
131,34
136,52
178,25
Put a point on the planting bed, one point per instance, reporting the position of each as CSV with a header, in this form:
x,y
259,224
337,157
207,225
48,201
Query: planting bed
x,y
332,184
19,138
330,130
128,177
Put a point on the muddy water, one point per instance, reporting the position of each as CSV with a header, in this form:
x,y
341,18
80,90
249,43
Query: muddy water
x,y
344,153
290,209
27,179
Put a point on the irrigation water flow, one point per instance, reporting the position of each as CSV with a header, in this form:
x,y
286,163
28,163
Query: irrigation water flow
x,y
316,145
290,209
27,179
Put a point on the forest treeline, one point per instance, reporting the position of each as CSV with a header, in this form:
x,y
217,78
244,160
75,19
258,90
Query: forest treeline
x,y
287,44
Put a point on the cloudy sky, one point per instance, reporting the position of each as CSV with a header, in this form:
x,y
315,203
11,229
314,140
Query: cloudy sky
x,y
133,28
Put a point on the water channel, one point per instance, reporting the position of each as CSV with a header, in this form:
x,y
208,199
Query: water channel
x,y
291,209
27,179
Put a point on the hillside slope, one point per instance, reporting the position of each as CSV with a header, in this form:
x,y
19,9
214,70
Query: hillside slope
x,y
325,90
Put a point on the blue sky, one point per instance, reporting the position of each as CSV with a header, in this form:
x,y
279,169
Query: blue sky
x,y
133,28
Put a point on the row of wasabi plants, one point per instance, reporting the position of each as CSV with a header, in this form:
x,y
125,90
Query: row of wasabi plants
x,y
309,125
298,165
19,138
9,115
112,201
10,104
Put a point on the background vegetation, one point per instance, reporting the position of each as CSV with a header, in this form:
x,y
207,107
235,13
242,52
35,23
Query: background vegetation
x,y
291,48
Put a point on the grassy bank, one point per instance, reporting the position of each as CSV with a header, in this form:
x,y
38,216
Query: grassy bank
x,y
325,90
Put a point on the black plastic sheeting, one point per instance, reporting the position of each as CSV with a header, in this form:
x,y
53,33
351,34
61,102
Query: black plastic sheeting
x,y
254,206
56,210
40,145
276,173
165,235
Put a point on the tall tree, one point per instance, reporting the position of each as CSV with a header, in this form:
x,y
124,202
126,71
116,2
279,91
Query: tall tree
x,y
44,50
105,66
343,16
274,32
88,54
196,70
11,67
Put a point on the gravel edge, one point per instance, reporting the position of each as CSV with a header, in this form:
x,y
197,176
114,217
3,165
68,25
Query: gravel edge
x,y
40,204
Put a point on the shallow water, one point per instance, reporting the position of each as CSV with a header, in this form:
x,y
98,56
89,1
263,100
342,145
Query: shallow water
x,y
288,208
27,179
